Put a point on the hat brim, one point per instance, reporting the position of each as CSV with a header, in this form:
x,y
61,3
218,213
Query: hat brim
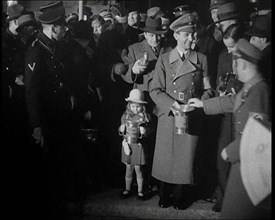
x,y
251,33
27,23
153,31
135,100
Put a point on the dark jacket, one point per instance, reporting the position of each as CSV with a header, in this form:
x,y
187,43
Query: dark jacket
x,y
48,82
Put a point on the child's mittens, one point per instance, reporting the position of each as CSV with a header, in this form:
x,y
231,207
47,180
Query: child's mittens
x,y
122,128
142,130
126,147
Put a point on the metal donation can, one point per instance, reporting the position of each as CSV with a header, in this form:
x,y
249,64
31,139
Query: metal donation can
x,y
181,118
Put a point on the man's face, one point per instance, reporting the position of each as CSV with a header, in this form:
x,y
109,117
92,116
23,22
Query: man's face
x,y
214,14
59,31
237,66
152,39
184,40
230,44
97,28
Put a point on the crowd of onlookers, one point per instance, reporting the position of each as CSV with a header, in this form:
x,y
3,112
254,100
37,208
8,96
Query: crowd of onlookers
x,y
65,83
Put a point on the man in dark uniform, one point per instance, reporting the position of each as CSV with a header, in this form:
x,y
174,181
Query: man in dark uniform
x,y
52,104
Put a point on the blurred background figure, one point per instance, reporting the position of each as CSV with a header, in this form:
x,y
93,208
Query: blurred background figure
x,y
70,20
260,36
181,10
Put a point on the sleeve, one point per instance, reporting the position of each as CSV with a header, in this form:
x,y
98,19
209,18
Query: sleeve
x,y
129,59
158,88
223,104
258,101
32,82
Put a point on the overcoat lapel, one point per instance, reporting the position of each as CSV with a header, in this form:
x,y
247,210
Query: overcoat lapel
x,y
182,67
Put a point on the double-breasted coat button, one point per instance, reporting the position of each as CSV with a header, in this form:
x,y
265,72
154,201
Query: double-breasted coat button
x,y
175,91
174,83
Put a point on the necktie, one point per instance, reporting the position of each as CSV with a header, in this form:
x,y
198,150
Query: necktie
x,y
155,49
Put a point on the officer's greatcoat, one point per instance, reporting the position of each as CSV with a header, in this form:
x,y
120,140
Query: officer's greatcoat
x,y
254,97
176,80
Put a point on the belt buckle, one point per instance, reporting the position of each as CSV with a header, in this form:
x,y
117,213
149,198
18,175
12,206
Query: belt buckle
x,y
181,96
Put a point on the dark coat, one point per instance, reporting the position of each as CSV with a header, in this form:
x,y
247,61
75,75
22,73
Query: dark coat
x,y
13,95
135,52
236,203
48,84
176,80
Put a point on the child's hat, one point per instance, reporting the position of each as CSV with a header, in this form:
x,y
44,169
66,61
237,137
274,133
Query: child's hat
x,y
137,96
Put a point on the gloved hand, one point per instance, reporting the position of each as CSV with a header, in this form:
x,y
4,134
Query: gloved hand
x,y
138,67
38,136
120,68
209,93
122,128
142,130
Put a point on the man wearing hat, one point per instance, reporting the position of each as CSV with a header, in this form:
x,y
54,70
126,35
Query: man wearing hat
x,y
260,36
214,4
227,14
253,97
52,103
27,27
179,75
142,58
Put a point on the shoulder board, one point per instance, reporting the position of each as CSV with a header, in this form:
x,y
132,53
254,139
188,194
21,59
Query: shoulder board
x,y
34,42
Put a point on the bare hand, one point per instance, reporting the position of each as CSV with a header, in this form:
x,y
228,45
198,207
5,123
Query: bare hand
x,y
224,155
176,105
138,68
38,136
195,102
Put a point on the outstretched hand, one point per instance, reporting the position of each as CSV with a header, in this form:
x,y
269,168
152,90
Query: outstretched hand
x,y
195,102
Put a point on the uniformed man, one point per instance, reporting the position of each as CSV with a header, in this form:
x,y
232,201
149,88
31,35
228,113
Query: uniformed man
x,y
51,102
179,75
253,97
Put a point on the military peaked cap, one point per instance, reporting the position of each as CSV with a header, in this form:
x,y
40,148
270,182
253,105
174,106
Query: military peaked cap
x,y
186,23
52,13
247,51
214,4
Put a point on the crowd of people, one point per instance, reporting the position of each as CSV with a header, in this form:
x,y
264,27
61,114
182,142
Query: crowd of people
x,y
63,76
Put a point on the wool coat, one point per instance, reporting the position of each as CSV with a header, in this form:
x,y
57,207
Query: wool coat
x,y
135,52
176,80
254,97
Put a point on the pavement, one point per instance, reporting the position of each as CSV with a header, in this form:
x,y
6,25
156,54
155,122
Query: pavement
x,y
108,205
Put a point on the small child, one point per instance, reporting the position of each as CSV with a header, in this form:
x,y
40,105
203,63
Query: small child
x,y
133,154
